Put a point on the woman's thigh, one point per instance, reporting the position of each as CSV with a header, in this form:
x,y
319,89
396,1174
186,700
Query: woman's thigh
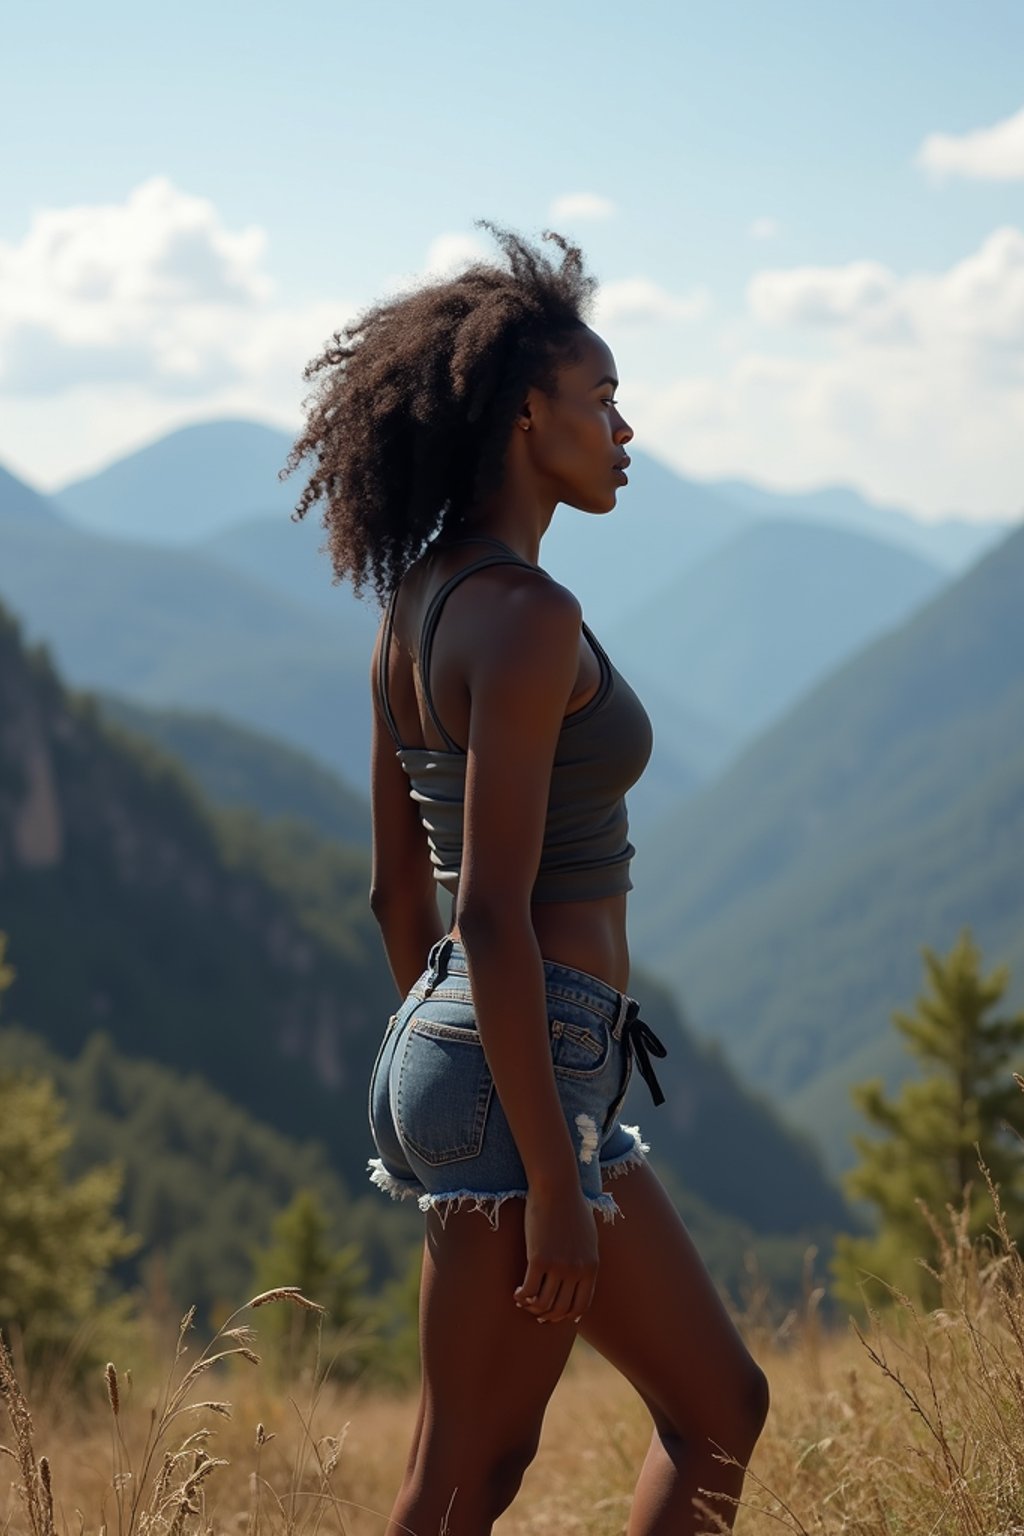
x,y
657,1317
489,1368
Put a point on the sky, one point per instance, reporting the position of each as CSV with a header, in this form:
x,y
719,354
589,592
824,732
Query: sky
x,y
807,219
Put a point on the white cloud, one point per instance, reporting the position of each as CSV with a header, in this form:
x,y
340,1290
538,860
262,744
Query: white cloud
x,y
576,206
637,300
820,295
985,154
448,253
154,291
911,386
977,305
765,228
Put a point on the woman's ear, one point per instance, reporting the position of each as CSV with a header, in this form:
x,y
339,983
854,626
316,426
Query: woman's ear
x,y
523,420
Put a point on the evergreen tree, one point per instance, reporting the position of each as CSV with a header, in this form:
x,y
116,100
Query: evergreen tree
x,y
58,1238
301,1253
933,1132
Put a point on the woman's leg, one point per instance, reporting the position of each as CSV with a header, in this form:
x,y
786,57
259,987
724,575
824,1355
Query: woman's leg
x,y
488,1372
657,1317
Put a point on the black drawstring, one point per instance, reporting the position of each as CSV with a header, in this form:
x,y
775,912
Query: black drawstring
x,y
644,1043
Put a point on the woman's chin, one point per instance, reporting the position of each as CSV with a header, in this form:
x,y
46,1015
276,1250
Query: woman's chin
x,y
597,507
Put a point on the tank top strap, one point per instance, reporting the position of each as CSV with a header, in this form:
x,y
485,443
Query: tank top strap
x,y
432,618
383,658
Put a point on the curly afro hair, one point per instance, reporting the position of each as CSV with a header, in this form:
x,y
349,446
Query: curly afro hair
x,y
413,403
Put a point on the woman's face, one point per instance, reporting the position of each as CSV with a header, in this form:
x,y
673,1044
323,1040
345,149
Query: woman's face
x,y
575,439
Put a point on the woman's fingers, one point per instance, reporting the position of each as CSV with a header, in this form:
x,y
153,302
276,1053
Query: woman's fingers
x,y
526,1294
558,1297
562,1301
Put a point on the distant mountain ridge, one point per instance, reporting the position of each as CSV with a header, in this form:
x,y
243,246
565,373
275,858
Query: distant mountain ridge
x,y
198,481
168,627
185,485
745,632
20,503
951,542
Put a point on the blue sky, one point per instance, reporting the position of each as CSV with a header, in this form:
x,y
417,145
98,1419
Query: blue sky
x,y
801,282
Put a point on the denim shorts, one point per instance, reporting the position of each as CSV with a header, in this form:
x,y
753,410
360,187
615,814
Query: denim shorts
x,y
438,1125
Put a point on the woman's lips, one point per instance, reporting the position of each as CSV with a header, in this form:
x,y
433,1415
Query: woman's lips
x,y
622,475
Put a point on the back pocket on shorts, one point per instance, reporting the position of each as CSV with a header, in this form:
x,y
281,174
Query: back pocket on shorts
x,y
444,1092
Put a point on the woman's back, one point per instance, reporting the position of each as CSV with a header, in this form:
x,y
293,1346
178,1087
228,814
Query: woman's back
x,y
439,618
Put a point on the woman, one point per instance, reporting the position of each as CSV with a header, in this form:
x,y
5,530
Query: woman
x,y
447,425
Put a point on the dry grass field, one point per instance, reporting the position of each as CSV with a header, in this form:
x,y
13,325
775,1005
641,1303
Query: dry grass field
x,y
913,1424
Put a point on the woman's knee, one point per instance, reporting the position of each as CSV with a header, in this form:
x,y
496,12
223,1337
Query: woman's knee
x,y
506,1472
485,1481
742,1416
755,1397
729,1412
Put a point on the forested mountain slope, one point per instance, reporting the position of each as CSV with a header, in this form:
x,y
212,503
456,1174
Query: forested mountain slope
x,y
235,766
788,902
133,907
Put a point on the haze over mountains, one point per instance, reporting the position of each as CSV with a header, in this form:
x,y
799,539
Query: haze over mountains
x,y
271,642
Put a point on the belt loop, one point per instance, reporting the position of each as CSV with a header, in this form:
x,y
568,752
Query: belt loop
x,y
439,957
623,1014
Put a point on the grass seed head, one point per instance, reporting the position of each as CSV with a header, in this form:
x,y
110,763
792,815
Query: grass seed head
x,y
290,1293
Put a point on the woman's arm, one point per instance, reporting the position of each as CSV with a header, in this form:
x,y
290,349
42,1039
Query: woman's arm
x,y
403,894
522,671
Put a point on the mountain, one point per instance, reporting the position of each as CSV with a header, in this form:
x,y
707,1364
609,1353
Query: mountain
x,y
952,543
286,556
20,503
234,766
663,524
215,486
133,908
215,943
166,627
741,635
186,485
788,901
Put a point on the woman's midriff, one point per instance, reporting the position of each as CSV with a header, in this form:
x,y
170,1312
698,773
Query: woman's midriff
x,y
587,935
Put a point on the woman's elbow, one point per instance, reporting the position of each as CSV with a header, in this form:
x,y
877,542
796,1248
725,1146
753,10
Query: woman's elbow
x,y
484,920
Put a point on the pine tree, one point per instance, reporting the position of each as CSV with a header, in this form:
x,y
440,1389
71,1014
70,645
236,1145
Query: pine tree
x,y
302,1254
933,1132
58,1238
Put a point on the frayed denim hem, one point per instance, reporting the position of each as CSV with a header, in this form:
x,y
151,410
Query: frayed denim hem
x,y
459,1199
490,1205
636,1155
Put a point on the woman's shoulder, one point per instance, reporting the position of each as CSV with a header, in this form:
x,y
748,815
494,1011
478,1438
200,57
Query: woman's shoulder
x,y
505,590
523,598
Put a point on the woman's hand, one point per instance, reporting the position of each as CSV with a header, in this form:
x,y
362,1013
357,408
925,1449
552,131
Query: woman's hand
x,y
561,1256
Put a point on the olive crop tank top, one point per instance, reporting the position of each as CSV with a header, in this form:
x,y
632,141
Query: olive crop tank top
x,y
602,750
